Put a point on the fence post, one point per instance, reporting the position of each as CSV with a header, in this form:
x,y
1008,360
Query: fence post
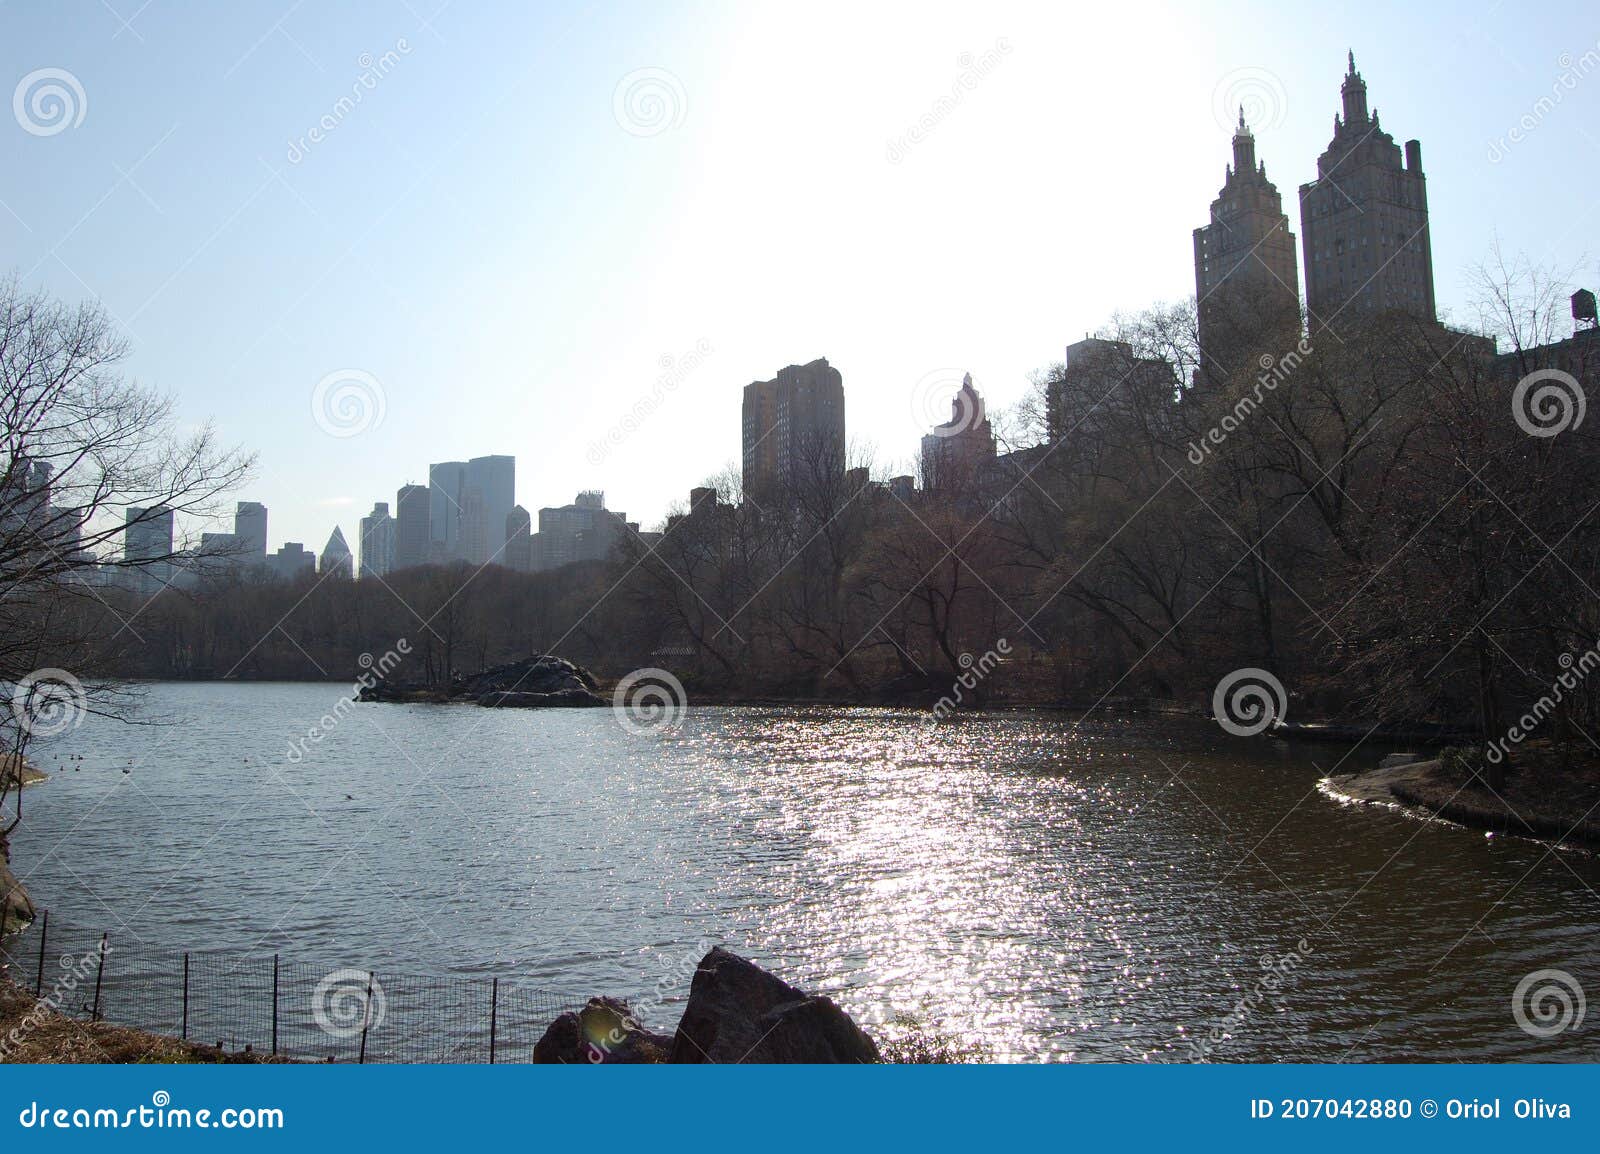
x,y
185,1034
99,974
366,1020
274,1003
44,932
494,1009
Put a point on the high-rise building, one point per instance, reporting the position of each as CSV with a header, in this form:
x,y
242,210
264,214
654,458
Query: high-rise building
x,y
147,533
468,502
954,454
411,526
1364,220
519,540
488,494
336,555
377,541
446,484
250,528
291,561
793,427
1247,284
582,531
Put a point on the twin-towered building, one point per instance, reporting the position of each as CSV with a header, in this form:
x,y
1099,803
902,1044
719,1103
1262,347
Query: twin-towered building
x,y
1364,237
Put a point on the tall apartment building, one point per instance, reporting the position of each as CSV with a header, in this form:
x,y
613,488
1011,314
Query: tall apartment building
x,y
1247,283
411,526
1364,220
793,427
377,541
956,452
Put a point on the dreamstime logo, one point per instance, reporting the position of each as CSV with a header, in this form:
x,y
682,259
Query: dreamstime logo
x,y
48,702
650,701
1572,71
75,972
1555,406
973,671
674,371
348,402
373,70
973,70
348,1001
649,101
1256,91
1248,701
1573,673
1547,1003
48,101
939,400
1274,371
372,672
1276,974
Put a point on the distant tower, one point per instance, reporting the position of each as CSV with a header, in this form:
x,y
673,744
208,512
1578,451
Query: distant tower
x,y
411,526
793,427
1247,284
519,540
377,541
956,451
1364,221
336,555
250,529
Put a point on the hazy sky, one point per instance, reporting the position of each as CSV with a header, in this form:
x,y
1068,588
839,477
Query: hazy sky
x,y
506,240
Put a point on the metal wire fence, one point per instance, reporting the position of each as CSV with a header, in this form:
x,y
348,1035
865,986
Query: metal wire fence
x,y
279,1006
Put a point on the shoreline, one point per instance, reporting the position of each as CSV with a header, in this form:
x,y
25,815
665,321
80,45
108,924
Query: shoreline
x,y
1416,789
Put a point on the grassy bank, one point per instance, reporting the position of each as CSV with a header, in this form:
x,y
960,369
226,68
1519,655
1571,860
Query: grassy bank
x,y
31,1032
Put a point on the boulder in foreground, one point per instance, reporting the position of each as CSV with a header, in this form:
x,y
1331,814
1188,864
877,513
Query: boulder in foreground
x,y
604,1032
738,1012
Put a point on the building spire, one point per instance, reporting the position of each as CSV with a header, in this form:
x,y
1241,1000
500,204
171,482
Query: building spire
x,y
1354,91
1244,147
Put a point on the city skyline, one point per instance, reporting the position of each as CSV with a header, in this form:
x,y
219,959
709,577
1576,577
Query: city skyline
x,y
920,205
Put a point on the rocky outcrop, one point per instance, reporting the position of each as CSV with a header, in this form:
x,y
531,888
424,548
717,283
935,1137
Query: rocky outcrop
x,y
16,769
16,909
738,1012
604,1032
539,682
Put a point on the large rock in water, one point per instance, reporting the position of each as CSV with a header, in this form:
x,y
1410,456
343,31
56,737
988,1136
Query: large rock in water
x,y
738,1012
604,1032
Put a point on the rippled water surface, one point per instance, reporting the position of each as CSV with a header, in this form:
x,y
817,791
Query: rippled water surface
x,y
1046,890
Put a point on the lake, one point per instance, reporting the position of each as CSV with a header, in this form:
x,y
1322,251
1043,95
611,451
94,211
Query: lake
x,y
1116,890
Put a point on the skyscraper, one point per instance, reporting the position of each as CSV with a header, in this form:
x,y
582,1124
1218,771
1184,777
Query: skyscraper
x,y
377,541
411,526
793,427
336,555
446,482
1247,285
147,533
1364,220
956,451
488,494
519,540
250,530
